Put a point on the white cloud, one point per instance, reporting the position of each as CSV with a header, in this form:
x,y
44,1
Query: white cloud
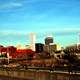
x,y
10,5
61,29
54,30
12,32
16,4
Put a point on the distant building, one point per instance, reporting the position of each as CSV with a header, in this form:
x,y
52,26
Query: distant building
x,y
78,45
27,46
48,40
11,49
72,49
39,47
3,51
24,53
1,46
20,46
46,48
32,41
52,47
59,47
11,52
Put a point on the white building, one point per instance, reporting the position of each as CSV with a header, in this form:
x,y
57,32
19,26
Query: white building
x,y
32,41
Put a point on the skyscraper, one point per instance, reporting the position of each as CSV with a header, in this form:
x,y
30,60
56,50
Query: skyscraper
x,y
48,40
52,48
32,41
39,47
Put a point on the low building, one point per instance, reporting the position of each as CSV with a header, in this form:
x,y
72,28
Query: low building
x,y
24,53
11,51
3,51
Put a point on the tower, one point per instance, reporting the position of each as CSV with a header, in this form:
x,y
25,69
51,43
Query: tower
x,y
32,41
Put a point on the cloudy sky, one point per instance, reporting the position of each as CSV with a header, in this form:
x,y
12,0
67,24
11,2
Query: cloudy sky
x,y
61,18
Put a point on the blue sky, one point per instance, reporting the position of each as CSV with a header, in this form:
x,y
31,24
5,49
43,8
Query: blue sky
x,y
20,17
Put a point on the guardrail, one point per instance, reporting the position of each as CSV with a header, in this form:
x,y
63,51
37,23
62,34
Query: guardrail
x,y
56,68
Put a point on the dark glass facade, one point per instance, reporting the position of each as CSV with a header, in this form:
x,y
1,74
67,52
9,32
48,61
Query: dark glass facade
x,y
39,47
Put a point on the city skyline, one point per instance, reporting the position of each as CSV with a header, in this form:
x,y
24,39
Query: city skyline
x,y
62,40
57,17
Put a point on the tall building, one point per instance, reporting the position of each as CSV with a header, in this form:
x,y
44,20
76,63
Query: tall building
x,y
46,48
52,48
48,40
32,41
39,47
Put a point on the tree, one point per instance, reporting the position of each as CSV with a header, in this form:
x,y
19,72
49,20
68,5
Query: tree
x,y
72,58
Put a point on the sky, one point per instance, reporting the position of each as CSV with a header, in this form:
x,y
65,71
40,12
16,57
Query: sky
x,y
60,18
